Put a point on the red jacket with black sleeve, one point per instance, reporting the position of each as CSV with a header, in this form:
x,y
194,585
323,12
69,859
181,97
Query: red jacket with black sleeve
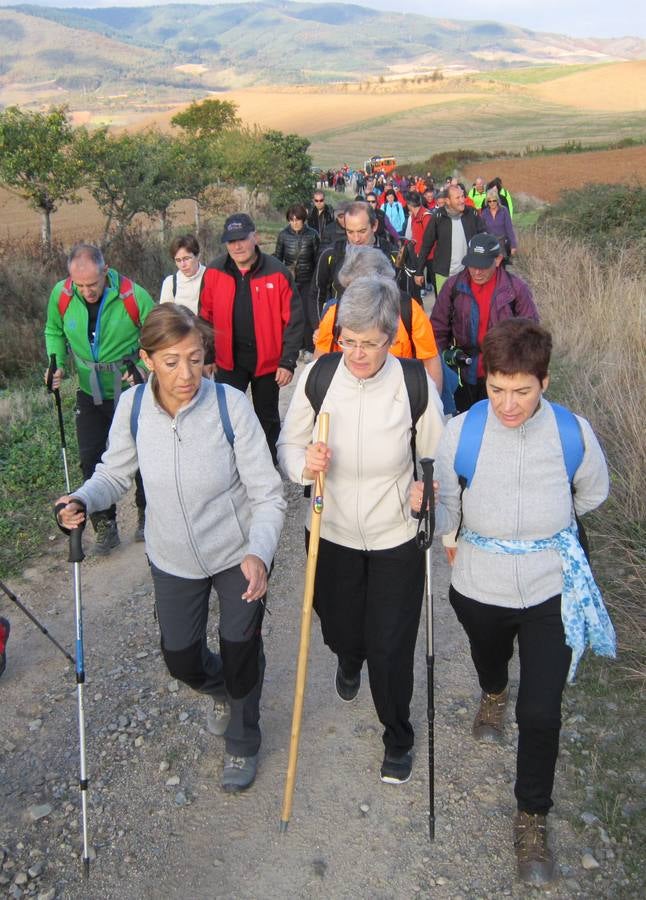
x,y
276,306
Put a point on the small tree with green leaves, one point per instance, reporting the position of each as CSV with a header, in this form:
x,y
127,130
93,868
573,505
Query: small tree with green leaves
x,y
38,162
207,118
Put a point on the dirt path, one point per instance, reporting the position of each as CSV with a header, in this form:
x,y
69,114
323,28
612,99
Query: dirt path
x,y
349,837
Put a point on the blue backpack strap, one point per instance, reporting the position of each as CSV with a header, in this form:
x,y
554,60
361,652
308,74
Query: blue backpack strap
x,y
224,412
571,439
136,407
466,455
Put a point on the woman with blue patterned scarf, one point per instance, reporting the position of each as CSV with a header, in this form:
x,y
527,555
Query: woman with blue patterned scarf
x,y
519,571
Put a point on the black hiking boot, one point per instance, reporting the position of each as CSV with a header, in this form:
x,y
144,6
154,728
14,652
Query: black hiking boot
x,y
107,536
347,688
396,769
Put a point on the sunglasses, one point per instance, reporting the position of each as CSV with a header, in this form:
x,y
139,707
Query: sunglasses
x,y
319,200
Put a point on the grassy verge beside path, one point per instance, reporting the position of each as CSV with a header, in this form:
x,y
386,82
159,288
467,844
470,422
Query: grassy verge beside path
x,y
596,315
31,467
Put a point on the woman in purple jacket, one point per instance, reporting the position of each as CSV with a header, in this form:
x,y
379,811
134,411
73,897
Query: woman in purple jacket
x,y
498,221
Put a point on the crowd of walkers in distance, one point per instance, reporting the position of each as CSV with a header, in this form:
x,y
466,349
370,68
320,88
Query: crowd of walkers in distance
x,y
343,290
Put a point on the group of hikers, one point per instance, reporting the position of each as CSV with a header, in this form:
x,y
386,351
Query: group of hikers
x,y
467,383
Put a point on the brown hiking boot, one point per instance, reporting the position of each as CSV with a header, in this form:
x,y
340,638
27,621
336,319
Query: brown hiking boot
x,y
490,719
535,861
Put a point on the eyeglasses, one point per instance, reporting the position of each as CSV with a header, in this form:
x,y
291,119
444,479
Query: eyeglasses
x,y
374,202
492,203
184,259
319,199
367,346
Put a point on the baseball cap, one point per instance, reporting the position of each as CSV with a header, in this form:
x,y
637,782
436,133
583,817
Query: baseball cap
x,y
237,227
482,251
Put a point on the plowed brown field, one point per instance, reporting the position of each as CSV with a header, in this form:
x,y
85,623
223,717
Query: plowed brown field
x,y
546,176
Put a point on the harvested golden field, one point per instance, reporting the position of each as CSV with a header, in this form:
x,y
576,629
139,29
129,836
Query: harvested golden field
x,y
546,176
620,87
309,112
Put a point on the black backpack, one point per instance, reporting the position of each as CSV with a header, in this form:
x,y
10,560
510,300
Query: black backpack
x,y
415,378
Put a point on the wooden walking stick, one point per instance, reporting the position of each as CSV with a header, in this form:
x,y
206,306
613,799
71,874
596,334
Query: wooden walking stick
x,y
306,622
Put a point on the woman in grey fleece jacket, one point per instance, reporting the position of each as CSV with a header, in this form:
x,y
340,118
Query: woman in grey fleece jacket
x,y
506,583
214,515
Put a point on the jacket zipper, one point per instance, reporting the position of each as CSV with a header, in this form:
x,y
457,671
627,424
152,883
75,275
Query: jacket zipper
x,y
176,443
359,467
521,460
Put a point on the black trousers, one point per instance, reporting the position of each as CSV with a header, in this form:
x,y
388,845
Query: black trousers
x,y
369,604
544,662
310,314
92,428
237,672
264,394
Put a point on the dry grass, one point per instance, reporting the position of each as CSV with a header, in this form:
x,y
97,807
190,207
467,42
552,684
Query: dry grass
x,y
597,317
620,88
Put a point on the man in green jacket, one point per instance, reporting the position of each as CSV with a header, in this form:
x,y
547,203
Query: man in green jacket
x,y
96,315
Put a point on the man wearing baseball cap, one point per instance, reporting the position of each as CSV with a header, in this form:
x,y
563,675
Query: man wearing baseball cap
x,y
472,302
250,299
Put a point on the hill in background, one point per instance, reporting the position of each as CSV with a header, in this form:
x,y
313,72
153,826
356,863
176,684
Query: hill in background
x,y
161,54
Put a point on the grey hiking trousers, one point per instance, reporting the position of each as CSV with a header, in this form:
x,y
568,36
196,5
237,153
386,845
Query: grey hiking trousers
x,y
236,673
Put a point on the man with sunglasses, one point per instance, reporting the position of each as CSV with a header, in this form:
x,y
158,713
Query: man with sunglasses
x,y
320,215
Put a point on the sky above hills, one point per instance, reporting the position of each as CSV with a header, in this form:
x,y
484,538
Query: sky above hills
x,y
579,18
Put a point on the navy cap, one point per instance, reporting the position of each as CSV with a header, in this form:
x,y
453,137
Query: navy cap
x,y
237,227
482,251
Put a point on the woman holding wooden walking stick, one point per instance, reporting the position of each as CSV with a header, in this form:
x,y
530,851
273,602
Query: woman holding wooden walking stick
x,y
370,575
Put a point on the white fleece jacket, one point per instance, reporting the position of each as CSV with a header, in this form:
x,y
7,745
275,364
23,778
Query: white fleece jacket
x,y
371,470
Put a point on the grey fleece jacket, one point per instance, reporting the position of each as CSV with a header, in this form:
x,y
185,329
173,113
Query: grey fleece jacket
x,y
208,505
519,491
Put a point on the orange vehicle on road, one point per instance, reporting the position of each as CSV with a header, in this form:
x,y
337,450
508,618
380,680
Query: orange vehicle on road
x,y
380,164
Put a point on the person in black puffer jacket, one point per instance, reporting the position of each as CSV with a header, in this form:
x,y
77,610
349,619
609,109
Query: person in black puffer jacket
x,y
297,246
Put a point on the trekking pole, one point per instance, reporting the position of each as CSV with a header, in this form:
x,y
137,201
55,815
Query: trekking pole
x,y
59,409
134,371
10,594
76,557
424,539
306,622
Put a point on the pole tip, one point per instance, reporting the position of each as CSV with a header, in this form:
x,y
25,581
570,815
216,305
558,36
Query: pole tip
x,y
283,825
86,867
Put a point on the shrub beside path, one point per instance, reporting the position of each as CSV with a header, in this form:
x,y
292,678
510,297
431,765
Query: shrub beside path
x,y
161,825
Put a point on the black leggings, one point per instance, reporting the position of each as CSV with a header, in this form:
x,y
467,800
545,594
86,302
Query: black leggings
x,y
544,662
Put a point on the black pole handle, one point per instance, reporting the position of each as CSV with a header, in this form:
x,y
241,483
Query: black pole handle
x,y
50,373
133,370
75,535
427,465
426,515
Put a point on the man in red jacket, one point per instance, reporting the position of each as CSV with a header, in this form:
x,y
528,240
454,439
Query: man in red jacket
x,y
250,299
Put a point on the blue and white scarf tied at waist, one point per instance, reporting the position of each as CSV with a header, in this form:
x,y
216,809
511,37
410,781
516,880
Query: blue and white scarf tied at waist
x,y
585,618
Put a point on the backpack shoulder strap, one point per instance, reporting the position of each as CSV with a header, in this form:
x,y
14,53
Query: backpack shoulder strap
x,y
127,296
65,297
571,439
416,383
174,285
468,450
224,412
136,407
406,313
319,378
